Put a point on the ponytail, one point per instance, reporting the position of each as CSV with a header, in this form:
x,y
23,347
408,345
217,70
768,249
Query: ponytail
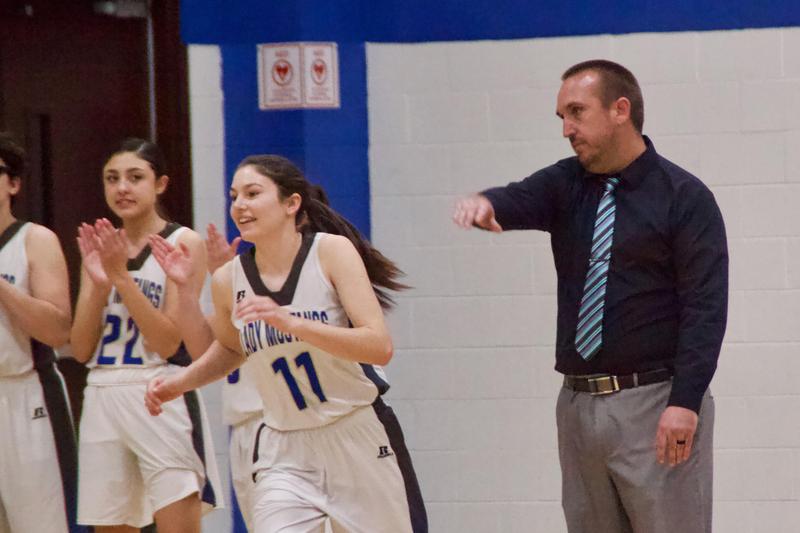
x,y
382,271
315,214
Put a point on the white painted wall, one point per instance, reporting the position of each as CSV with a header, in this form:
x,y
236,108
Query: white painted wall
x,y
472,376
208,202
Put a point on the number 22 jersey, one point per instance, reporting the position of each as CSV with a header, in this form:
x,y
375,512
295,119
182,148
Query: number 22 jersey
x,y
301,385
122,348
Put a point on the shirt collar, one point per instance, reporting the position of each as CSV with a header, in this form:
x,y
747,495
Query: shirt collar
x,y
633,174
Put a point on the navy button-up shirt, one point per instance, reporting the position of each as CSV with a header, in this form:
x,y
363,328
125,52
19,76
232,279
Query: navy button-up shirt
x,y
667,295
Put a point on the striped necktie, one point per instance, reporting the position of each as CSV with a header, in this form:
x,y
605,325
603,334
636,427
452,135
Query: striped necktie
x,y
589,333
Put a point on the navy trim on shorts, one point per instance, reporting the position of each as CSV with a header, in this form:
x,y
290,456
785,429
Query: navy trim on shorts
x,y
58,411
416,505
255,447
193,406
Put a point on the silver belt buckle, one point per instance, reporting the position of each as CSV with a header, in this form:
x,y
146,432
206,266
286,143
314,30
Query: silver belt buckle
x,y
603,385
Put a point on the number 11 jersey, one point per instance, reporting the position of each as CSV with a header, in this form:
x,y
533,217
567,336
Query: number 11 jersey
x,y
301,385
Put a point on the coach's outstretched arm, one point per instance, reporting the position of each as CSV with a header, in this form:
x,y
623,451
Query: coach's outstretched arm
x,y
476,210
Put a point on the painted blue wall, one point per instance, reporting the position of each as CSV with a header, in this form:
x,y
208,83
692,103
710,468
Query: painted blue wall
x,y
226,21
329,145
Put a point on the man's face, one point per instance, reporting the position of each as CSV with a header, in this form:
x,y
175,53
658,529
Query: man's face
x,y
587,123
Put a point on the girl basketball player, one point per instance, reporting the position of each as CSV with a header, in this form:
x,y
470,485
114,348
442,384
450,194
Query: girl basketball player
x,y
134,468
305,307
37,441
241,403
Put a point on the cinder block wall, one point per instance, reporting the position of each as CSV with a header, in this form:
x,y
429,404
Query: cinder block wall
x,y
208,202
472,376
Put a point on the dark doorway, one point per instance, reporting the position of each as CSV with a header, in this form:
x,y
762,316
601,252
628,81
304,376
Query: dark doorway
x,y
73,83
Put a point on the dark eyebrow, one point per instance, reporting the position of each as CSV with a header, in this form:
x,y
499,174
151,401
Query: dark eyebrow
x,y
245,186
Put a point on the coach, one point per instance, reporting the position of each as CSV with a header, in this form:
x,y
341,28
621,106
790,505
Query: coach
x,y
640,251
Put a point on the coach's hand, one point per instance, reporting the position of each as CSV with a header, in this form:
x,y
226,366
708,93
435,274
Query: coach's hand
x,y
161,389
476,210
675,435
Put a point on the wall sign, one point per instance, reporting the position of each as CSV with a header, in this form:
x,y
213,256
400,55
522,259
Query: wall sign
x,y
298,76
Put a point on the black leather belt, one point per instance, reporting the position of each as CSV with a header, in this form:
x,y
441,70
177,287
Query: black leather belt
x,y
607,383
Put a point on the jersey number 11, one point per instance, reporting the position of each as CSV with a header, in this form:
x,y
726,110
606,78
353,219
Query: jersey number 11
x,y
303,360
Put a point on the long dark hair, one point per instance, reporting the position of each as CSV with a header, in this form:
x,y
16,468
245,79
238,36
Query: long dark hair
x,y
316,215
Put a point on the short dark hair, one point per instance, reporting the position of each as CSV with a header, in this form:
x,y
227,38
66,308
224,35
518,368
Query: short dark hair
x,y
12,154
616,82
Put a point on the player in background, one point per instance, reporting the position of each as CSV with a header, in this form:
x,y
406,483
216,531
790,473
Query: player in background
x,y
38,454
305,305
241,403
133,468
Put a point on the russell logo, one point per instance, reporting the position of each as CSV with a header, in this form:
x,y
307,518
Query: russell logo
x,y
383,451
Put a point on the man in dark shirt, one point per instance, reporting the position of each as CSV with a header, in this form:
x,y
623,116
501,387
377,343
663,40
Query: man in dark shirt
x,y
641,256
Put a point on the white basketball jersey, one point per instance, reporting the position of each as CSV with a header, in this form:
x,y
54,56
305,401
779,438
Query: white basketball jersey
x,y
240,398
301,385
15,345
121,345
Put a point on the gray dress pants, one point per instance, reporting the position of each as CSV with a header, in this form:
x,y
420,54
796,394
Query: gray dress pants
x,y
611,481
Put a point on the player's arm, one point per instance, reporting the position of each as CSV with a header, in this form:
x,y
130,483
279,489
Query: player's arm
x,y
44,314
368,341
222,295
160,333
183,291
222,357
179,266
87,325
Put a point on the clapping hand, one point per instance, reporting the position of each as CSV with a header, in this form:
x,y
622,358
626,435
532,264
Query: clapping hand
x,y
218,250
90,256
176,261
112,247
